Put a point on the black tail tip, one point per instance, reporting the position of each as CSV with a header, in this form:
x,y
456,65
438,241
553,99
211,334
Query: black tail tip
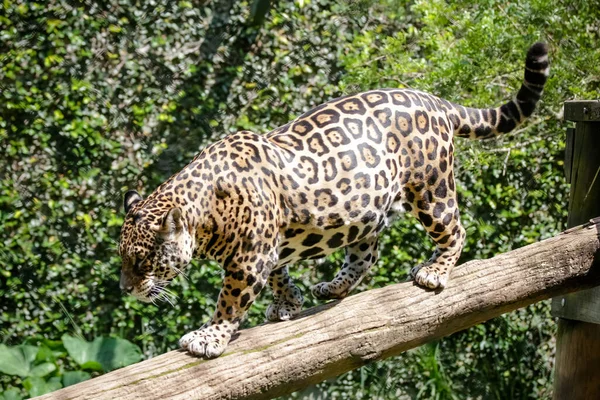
x,y
538,50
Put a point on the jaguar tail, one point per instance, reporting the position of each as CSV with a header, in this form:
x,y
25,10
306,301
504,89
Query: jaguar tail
x,y
482,123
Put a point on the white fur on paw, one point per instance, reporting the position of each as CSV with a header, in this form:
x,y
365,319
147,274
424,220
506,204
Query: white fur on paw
x,y
203,343
431,279
187,338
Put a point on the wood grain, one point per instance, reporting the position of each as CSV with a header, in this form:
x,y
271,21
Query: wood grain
x,y
578,355
577,366
278,358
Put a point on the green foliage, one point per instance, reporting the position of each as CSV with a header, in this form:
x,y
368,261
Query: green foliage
x,y
98,98
11,394
103,354
17,360
41,369
72,377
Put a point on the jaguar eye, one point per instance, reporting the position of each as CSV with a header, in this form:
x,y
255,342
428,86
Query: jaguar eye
x,y
138,265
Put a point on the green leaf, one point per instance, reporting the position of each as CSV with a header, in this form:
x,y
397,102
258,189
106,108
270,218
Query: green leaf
x,y
78,349
108,353
17,360
50,353
92,365
54,383
38,386
45,354
258,11
42,369
72,377
117,353
11,394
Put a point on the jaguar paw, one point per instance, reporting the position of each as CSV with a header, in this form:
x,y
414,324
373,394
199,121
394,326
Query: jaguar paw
x,y
430,276
205,342
326,291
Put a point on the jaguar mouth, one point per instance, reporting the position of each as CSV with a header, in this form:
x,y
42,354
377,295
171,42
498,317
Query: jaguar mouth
x,y
154,292
144,298
159,292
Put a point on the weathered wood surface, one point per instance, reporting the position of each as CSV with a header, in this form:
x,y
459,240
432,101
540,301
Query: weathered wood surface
x,y
580,306
325,341
577,360
577,367
582,110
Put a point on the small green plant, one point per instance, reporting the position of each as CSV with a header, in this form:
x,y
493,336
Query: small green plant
x,y
44,368
436,383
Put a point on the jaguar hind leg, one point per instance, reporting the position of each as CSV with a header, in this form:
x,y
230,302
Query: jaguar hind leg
x,y
360,256
445,229
287,298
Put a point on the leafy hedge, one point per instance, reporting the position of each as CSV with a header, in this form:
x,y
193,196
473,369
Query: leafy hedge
x,y
100,98
43,368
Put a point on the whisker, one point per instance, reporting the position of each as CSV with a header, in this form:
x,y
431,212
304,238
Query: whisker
x,y
161,284
170,301
180,272
170,296
164,297
169,292
164,294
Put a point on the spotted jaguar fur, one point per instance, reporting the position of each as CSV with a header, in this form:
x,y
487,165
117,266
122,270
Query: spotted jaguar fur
x,y
330,179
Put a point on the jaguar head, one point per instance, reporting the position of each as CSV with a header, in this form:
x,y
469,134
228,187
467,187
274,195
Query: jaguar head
x,y
155,247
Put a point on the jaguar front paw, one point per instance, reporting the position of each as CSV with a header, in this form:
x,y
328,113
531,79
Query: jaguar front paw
x,y
431,276
205,342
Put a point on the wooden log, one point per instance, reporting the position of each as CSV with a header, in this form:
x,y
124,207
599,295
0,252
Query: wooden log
x,y
279,358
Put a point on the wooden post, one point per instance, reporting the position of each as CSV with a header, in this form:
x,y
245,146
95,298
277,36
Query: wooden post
x,y
577,368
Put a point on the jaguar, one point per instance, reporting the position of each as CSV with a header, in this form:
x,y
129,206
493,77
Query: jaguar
x,y
332,178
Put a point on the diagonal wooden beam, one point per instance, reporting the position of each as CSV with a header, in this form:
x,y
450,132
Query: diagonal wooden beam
x,y
278,358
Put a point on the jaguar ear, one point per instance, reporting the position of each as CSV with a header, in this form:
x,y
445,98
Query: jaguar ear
x,y
131,197
172,221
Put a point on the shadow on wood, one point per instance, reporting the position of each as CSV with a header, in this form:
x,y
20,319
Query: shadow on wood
x,y
278,358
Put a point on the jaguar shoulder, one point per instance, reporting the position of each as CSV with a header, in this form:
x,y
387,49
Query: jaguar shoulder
x,y
330,179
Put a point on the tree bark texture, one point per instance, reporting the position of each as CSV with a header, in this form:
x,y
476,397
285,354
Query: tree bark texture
x,y
274,359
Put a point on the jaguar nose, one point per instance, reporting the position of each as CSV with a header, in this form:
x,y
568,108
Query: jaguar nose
x,y
125,285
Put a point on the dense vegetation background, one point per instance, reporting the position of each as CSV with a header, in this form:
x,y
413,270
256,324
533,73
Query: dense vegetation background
x,y
100,98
